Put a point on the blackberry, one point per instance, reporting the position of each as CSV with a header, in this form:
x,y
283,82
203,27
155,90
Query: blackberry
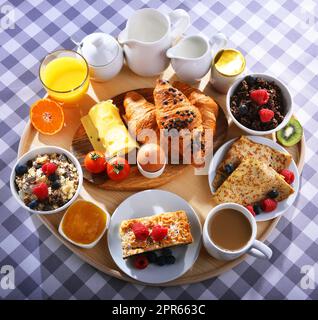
x,y
161,261
166,252
152,257
170,259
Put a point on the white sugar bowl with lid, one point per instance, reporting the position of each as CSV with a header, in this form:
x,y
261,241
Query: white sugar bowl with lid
x,y
103,54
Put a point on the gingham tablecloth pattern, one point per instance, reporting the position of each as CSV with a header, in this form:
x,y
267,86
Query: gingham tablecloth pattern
x,y
278,37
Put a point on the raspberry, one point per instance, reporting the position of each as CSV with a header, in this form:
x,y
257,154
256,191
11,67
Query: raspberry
x,y
251,210
158,233
269,205
41,191
266,115
141,262
49,168
260,96
288,175
141,231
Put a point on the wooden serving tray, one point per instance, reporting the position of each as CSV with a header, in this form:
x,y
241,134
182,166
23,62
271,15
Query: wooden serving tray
x,y
193,188
136,181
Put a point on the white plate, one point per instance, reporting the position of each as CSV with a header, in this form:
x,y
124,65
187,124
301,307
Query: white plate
x,y
282,205
147,203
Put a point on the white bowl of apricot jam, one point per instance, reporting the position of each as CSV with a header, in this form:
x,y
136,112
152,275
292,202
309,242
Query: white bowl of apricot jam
x,y
84,223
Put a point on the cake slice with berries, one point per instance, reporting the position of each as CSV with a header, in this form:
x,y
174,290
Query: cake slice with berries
x,y
155,232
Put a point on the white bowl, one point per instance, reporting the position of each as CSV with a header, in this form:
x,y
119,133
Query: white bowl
x,y
31,155
151,175
286,96
88,245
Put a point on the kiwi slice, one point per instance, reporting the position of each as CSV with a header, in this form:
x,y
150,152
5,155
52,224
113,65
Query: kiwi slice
x,y
291,134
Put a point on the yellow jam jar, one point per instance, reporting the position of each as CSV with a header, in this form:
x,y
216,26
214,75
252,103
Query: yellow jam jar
x,y
227,66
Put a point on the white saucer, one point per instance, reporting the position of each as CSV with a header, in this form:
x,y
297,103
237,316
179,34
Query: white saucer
x,y
282,205
147,203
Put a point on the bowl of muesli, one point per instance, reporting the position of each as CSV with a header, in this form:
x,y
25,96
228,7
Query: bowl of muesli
x,y
46,180
259,104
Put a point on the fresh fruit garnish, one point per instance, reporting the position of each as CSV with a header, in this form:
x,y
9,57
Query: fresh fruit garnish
x,y
170,259
118,169
288,175
273,194
266,115
47,116
41,191
161,261
166,252
52,177
21,169
141,262
152,257
260,96
140,231
243,109
49,168
55,185
33,204
158,233
257,209
250,80
269,205
229,168
95,162
291,134
251,210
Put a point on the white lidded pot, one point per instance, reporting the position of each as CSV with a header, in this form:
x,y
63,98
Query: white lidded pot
x,y
103,54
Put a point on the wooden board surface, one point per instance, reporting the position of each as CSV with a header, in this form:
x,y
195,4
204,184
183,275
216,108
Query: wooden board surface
x,y
136,181
193,188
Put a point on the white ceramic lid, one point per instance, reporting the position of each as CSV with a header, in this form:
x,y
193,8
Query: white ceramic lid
x,y
99,49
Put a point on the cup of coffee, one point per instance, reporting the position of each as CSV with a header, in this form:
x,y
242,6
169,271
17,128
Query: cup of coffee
x,y
230,231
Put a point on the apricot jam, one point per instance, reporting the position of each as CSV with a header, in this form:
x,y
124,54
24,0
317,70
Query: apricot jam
x,y
84,222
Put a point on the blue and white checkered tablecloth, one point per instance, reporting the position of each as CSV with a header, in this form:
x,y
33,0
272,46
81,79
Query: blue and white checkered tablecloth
x,y
278,37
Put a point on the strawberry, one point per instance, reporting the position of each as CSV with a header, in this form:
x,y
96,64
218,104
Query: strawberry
x,y
141,262
158,233
251,210
266,115
41,191
288,175
260,96
140,230
268,205
49,168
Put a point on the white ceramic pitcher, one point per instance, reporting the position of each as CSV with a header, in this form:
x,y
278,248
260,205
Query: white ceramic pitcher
x,y
148,35
191,57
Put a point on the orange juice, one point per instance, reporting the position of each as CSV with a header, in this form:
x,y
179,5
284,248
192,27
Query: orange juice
x,y
65,78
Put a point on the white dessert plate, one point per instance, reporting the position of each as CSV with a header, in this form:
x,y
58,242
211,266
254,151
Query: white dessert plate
x,y
282,205
147,203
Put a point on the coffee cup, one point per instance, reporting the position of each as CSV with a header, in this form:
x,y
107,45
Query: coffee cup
x,y
230,231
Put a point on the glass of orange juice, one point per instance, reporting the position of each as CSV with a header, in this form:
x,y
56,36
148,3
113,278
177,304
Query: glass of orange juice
x,y
65,75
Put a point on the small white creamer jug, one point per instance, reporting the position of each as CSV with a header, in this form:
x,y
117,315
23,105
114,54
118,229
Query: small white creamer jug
x,y
191,57
148,35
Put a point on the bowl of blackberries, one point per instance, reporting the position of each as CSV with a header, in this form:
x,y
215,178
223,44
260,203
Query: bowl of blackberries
x,y
259,104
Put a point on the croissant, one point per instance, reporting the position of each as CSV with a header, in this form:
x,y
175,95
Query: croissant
x,y
174,111
139,115
208,107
